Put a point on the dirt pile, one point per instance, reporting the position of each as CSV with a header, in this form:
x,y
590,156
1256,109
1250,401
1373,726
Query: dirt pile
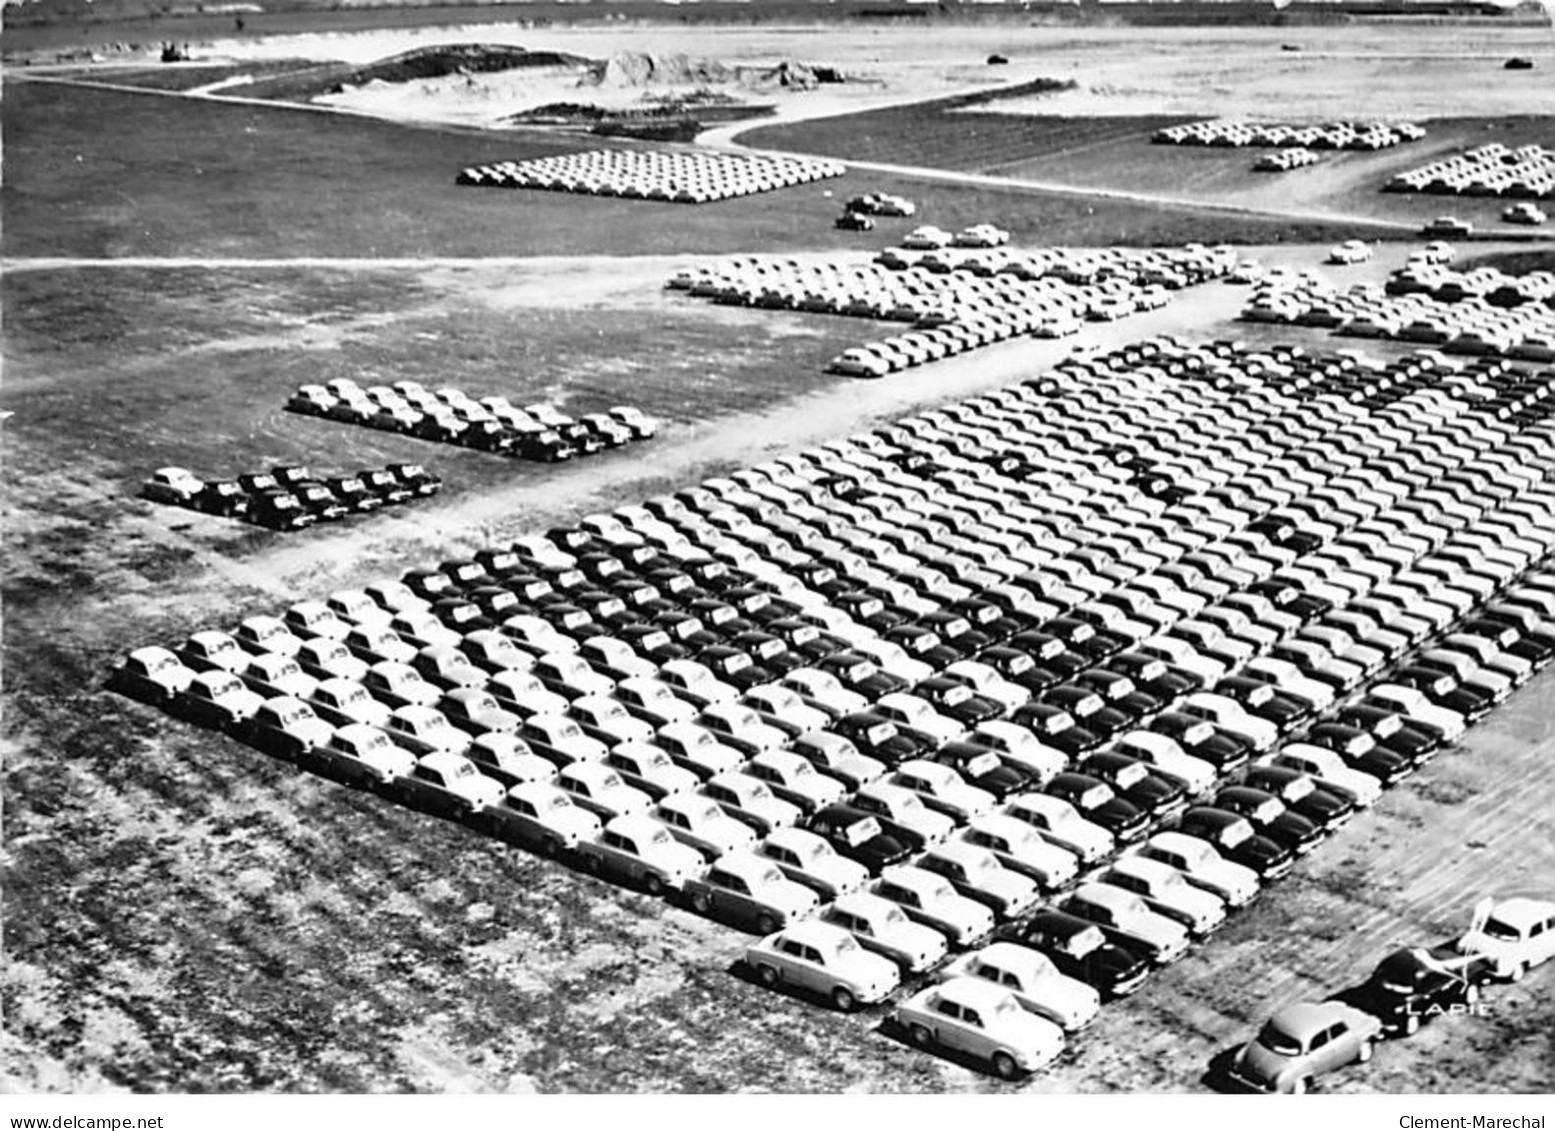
x,y
639,68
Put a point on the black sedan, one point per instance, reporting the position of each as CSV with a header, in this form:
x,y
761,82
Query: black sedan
x,y
1096,801
1363,750
1080,950
983,768
1265,702
1056,727
1203,739
1302,795
1270,816
1236,839
1135,782
860,836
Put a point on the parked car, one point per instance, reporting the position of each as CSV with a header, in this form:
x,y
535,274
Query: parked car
x,y
824,959
750,890
1080,949
971,1017
1303,1042
641,851
1034,980
1414,984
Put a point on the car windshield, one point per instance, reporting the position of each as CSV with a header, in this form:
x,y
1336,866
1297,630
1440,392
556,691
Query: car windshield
x,y
1497,929
1277,1040
860,831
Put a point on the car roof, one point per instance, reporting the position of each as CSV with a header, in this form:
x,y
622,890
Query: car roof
x,y
972,992
1306,1018
1521,911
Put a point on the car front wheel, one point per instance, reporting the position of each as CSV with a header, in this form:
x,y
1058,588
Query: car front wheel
x,y
652,884
1004,1065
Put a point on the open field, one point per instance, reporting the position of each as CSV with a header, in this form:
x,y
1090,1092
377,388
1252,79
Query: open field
x,y
186,914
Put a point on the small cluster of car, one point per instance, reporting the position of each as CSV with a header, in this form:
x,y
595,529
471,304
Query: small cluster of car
x,y
1470,324
491,424
291,497
1055,677
859,213
1236,133
1420,303
680,176
1283,160
1407,989
1493,169
927,237
1350,252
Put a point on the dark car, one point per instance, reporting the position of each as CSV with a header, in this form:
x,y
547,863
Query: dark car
x,y
883,739
1120,692
1362,749
417,478
1391,730
1097,801
1089,709
1020,668
923,643
686,630
1265,702
224,497
1510,637
1057,728
1288,597
1050,651
806,640
957,632
1444,690
1080,950
382,483
319,500
279,510
1136,783
1203,739
869,610
956,700
1155,677
1271,817
735,667
1413,985
984,769
858,672
855,222
860,836
353,493
1236,839
1093,643
461,615
1302,795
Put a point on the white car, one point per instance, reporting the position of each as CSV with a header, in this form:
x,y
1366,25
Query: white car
x,y
824,959
1060,823
1230,715
808,859
943,789
929,898
985,681
701,823
1202,866
1167,892
1033,979
883,927
1329,770
972,1017
977,873
795,779
640,850
1412,703
1517,935
1165,756
600,790
823,692
1020,748
1023,848
905,808
539,816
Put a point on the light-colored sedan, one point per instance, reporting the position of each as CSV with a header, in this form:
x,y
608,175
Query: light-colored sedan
x,y
883,927
1203,867
1167,892
1019,846
824,959
974,1018
809,859
930,899
701,823
1302,1042
1516,934
1034,980
538,816
1060,823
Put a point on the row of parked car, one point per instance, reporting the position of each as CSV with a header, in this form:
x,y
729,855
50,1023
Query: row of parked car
x,y
491,424
1283,160
681,176
928,237
914,681
1496,287
1235,133
1451,315
1493,169
1408,988
1172,268
290,497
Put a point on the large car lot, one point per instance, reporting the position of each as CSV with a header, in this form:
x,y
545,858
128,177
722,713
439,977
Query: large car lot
x,y
1126,543
386,913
